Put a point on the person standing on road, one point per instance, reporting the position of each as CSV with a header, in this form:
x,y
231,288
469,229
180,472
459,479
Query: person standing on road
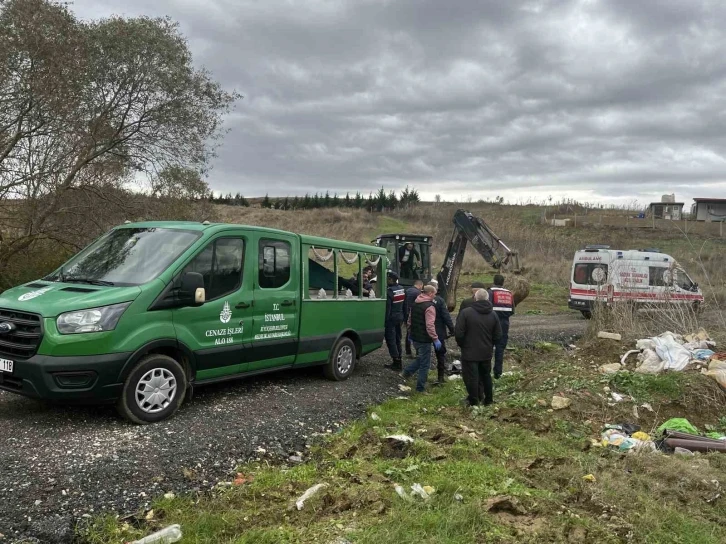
x,y
412,294
422,324
469,301
444,328
503,305
477,330
395,300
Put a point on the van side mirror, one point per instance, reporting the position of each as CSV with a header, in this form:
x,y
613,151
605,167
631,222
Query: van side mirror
x,y
191,292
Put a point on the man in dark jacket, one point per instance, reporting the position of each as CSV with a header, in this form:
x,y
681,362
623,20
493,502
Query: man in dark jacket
x,y
503,304
395,299
412,294
408,259
477,330
422,323
444,328
469,301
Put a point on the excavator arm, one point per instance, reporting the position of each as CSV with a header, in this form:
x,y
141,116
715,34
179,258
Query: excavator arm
x,y
471,229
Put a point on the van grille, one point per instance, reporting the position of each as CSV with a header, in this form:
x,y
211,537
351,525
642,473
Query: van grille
x,y
23,341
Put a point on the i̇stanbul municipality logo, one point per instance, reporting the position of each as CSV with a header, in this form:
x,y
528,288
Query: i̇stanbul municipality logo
x,y
226,314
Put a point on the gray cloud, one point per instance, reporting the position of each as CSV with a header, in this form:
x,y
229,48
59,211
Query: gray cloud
x,y
595,99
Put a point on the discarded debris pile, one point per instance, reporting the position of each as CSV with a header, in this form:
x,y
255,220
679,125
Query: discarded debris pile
x,y
677,435
670,351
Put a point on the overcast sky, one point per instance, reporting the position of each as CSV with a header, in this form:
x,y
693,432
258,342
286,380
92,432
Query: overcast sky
x,y
598,100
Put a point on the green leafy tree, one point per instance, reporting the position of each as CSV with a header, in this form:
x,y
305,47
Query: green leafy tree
x,y
89,107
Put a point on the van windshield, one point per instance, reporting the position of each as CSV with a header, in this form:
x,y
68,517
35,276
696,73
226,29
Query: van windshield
x,y
127,256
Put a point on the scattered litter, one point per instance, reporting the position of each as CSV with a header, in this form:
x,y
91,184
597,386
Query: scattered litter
x,y
402,398
640,435
375,417
403,438
682,451
241,479
454,377
670,351
650,363
635,413
647,406
609,335
676,439
295,459
703,354
560,403
403,388
169,496
168,535
589,478
717,371
424,492
678,424
458,497
617,397
455,367
309,493
628,354
611,368
401,492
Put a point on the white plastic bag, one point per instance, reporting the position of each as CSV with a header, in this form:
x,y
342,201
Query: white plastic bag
x,y
674,355
650,363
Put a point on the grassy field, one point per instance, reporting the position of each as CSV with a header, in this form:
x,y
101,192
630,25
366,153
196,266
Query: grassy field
x,y
517,472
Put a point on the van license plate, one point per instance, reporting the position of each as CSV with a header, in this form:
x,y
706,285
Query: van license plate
x,y
6,365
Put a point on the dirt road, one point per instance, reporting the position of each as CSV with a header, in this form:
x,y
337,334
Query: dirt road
x,y
61,464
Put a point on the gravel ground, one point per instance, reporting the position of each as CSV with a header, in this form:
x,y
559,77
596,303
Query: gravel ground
x,y
61,464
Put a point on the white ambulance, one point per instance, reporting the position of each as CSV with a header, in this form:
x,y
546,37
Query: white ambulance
x,y
640,276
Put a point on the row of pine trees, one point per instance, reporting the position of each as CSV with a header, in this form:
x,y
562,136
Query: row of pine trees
x,y
377,202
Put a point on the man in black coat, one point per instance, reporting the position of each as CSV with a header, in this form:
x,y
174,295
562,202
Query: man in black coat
x,y
477,330
395,300
412,294
444,329
469,301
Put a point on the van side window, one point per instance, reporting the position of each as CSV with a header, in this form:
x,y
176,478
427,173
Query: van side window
x,y
220,264
322,269
590,274
657,276
274,263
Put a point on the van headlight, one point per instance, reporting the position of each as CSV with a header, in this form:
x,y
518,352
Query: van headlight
x,y
91,320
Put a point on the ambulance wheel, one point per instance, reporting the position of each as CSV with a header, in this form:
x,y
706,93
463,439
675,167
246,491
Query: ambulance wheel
x,y
342,360
153,391
587,314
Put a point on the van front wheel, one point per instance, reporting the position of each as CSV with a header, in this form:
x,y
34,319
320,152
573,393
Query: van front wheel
x,y
153,391
342,360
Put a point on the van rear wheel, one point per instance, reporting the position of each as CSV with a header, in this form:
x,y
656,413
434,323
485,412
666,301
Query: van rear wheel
x,y
342,360
153,391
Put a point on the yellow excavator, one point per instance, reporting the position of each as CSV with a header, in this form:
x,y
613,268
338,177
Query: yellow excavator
x,y
409,256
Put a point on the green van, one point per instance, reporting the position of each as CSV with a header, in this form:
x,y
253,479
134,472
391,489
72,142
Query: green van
x,y
151,309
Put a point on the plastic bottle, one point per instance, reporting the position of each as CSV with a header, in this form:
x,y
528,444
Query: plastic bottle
x,y
168,535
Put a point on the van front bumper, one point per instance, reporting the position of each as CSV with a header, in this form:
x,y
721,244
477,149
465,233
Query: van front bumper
x,y
579,304
93,378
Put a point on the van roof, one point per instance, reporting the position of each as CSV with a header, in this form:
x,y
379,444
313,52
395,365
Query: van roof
x,y
630,254
215,227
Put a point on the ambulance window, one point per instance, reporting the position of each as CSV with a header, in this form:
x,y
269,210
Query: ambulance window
x,y
220,264
684,282
274,263
590,274
658,276
348,270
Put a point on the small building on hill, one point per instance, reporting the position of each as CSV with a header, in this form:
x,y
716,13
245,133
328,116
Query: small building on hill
x,y
709,209
667,208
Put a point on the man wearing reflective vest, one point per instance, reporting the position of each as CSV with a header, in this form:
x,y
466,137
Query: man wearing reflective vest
x,y
394,319
503,304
